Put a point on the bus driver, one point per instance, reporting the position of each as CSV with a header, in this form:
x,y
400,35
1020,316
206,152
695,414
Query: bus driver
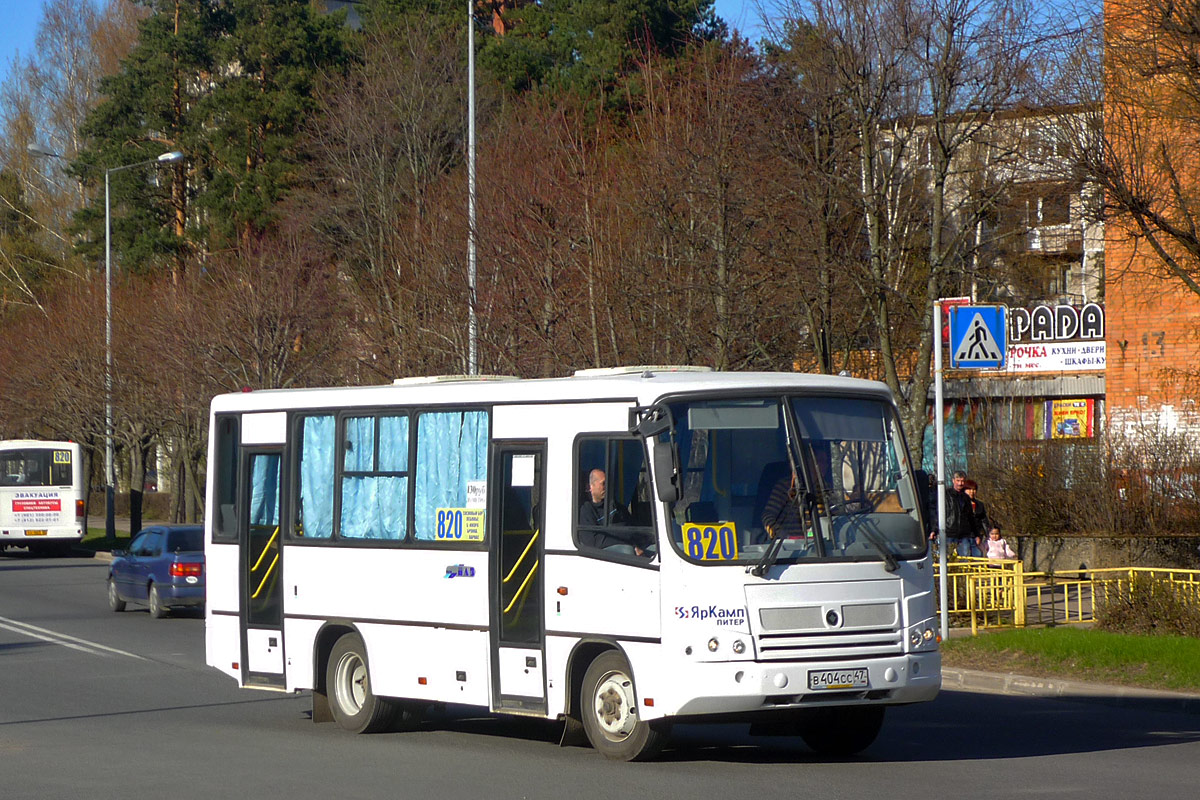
x,y
599,511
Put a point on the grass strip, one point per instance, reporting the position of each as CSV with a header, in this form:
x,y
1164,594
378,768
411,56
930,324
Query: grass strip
x,y
1151,662
94,540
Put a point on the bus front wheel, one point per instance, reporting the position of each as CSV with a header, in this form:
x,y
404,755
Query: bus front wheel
x,y
354,706
840,731
610,712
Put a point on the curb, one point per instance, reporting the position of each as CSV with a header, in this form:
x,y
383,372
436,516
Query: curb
x,y
98,555
970,680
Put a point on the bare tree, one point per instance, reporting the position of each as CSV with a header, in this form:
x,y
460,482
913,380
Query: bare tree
x,y
922,81
390,131
696,180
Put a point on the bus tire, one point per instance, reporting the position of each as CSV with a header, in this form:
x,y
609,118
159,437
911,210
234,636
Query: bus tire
x,y
114,599
347,683
157,609
609,710
841,731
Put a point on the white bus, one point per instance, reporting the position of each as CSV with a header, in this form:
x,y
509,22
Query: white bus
x,y
41,495
618,549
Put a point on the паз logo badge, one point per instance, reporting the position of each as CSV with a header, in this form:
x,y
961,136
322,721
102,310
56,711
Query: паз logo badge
x,y
460,571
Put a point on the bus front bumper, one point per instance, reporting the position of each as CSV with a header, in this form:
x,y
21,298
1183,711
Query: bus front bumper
x,y
751,686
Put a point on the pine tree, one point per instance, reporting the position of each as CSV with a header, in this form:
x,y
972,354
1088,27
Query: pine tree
x,y
227,83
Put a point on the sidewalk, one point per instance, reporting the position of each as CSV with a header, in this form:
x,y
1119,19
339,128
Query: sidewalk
x,y
971,680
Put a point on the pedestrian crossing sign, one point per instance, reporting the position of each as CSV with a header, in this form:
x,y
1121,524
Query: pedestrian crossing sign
x,y
978,336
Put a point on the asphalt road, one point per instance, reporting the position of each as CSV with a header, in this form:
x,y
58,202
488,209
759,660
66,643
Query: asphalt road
x,y
101,705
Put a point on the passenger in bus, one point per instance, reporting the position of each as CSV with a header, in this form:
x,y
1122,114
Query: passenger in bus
x,y
601,511
781,514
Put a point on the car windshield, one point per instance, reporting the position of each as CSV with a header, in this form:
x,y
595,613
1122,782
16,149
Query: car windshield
x,y
821,477
185,539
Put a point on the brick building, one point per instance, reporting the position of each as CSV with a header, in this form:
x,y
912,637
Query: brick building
x,y
1153,316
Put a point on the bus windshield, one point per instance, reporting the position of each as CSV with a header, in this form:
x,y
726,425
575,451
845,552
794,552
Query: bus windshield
x,y
816,478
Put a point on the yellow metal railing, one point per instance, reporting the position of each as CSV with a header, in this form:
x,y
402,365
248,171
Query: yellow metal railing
x,y
270,568
522,592
1000,593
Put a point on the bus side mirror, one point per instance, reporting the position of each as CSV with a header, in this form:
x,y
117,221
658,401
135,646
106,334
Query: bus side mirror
x,y
666,472
921,479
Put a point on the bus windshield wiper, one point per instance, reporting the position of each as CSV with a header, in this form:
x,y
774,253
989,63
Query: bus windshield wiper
x,y
890,562
768,558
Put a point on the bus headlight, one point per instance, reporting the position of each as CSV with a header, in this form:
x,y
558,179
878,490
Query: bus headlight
x,y
713,645
922,637
739,646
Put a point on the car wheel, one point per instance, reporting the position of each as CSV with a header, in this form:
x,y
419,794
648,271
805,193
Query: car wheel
x,y
157,609
347,680
610,712
841,731
114,600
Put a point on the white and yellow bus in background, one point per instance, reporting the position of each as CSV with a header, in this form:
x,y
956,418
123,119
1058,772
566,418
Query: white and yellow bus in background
x,y
619,550
42,495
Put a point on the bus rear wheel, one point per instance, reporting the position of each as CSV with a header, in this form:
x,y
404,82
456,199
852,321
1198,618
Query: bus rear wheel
x,y
610,712
347,680
840,731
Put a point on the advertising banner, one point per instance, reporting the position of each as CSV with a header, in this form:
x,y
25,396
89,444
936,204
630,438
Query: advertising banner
x,y
1071,419
1056,357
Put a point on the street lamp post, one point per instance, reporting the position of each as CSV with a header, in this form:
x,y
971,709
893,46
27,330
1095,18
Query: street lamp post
x,y
472,324
110,478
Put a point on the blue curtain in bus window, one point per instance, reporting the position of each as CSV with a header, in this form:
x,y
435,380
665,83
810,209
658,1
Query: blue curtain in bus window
x,y
264,491
451,452
393,444
375,506
360,445
316,477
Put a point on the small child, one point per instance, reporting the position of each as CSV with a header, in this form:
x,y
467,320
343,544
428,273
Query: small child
x,y
996,546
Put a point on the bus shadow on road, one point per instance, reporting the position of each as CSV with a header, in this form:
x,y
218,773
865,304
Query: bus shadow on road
x,y
969,726
958,726
961,726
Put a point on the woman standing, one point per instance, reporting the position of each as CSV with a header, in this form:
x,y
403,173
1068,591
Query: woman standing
x,y
979,520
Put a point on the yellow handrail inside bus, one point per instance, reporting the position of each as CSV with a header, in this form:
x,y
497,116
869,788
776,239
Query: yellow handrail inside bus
x,y
524,553
267,575
266,547
522,588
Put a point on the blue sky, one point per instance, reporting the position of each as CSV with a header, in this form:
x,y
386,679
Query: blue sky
x,y
19,20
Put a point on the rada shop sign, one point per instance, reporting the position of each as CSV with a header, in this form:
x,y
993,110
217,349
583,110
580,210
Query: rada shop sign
x,y
1056,339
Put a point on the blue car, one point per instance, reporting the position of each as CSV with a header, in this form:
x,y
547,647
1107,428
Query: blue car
x,y
163,569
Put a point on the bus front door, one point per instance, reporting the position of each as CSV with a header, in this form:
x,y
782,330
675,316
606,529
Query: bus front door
x,y
517,542
261,572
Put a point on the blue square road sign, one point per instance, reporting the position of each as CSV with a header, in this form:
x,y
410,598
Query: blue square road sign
x,y
978,336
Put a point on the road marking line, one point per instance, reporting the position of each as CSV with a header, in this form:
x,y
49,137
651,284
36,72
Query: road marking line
x,y
66,640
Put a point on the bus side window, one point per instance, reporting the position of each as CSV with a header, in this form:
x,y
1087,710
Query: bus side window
x,y
614,516
225,477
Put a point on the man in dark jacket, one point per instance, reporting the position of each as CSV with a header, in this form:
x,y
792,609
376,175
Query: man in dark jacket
x,y
960,522
601,518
